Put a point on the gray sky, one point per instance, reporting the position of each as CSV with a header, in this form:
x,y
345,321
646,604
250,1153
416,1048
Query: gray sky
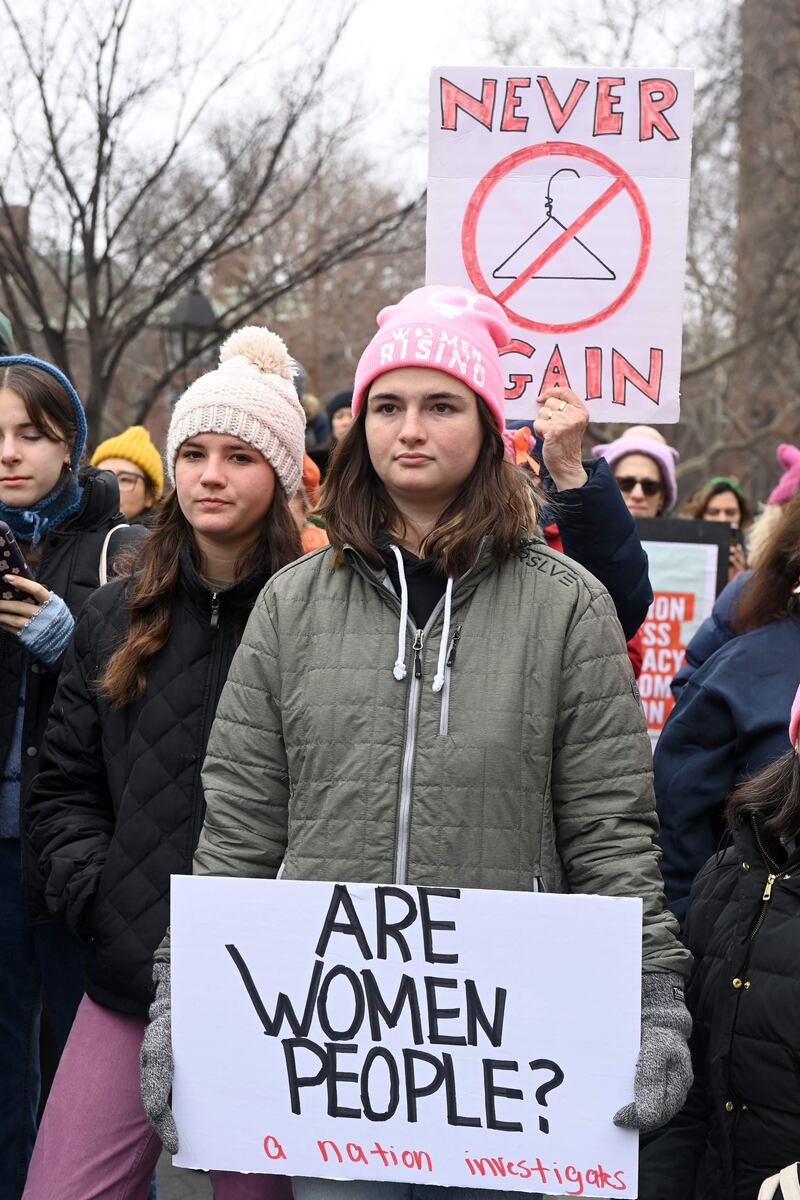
x,y
391,47
384,58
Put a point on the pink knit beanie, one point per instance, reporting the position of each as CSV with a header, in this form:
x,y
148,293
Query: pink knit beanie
x,y
794,722
789,458
450,329
632,442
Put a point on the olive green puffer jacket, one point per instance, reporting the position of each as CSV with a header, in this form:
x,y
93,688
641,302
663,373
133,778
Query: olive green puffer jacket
x,y
530,769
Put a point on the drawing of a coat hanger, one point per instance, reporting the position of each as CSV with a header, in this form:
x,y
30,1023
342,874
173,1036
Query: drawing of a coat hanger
x,y
525,253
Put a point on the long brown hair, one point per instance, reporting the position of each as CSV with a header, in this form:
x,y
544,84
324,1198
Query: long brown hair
x,y
496,500
156,570
774,792
769,593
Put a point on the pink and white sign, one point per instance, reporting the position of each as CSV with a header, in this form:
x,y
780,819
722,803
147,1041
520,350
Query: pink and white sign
x,y
565,196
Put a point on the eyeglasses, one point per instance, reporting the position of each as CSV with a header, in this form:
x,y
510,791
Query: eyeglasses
x,y
650,487
127,480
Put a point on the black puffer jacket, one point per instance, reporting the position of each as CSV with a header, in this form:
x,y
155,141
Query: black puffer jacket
x,y
741,1122
69,566
118,805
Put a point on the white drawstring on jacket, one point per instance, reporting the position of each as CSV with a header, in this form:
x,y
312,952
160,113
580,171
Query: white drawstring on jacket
x,y
399,669
438,679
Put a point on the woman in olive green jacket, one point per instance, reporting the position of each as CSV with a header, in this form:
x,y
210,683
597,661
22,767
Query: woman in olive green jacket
x,y
438,698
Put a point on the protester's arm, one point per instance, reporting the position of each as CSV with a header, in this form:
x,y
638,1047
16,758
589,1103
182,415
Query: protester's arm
x,y
695,769
598,532
245,776
602,782
70,813
596,528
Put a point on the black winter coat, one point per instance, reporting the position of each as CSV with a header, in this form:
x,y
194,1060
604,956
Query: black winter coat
x,y
118,804
69,566
741,1122
598,531
728,723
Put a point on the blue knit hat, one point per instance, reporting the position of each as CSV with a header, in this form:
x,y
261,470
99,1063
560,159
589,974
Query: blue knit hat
x,y
28,360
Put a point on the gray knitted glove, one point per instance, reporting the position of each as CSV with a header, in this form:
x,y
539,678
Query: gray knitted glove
x,y
664,1068
157,1067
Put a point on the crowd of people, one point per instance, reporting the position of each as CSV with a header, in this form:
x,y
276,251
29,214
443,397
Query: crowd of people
x,y
295,662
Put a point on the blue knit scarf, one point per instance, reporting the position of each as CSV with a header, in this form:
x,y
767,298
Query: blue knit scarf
x,y
31,524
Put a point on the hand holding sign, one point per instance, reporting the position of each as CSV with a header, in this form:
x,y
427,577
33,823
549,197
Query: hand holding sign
x,y
561,424
664,1067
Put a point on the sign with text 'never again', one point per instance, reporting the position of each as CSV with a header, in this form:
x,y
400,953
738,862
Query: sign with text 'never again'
x,y
564,194
430,1035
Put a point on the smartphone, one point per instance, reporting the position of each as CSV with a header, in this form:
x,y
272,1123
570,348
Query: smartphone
x,y
12,562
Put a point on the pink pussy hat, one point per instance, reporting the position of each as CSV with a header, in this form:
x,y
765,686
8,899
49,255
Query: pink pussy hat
x,y
788,458
450,329
794,722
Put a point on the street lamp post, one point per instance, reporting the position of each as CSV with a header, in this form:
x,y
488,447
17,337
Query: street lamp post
x,y
192,323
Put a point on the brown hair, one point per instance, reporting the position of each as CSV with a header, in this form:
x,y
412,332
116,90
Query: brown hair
x,y
769,593
157,568
699,501
496,500
48,406
774,793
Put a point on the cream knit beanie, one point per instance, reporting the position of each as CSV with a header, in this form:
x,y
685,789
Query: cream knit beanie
x,y
249,396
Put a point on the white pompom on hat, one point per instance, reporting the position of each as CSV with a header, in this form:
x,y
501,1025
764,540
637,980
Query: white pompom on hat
x,y
249,396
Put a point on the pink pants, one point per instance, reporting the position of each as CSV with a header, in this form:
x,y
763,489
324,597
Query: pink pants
x,y
95,1142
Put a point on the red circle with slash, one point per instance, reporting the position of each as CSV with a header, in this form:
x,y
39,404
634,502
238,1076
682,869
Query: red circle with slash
x,y
621,183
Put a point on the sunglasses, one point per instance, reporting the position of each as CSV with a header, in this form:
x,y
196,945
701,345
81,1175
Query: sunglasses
x,y
650,487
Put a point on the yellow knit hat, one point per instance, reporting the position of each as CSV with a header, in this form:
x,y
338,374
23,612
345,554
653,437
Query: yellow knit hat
x,y
135,445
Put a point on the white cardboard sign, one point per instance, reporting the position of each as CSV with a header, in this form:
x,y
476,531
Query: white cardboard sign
x,y
565,195
442,1036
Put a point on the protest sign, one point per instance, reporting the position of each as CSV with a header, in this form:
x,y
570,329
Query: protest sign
x,y
688,569
565,195
430,1035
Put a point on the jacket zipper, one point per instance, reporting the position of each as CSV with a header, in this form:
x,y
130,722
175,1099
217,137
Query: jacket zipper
x,y
407,768
444,711
410,741
417,648
765,899
217,648
410,726
403,833
772,875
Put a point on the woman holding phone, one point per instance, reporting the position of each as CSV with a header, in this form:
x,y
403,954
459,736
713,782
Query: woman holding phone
x,y
60,518
118,804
